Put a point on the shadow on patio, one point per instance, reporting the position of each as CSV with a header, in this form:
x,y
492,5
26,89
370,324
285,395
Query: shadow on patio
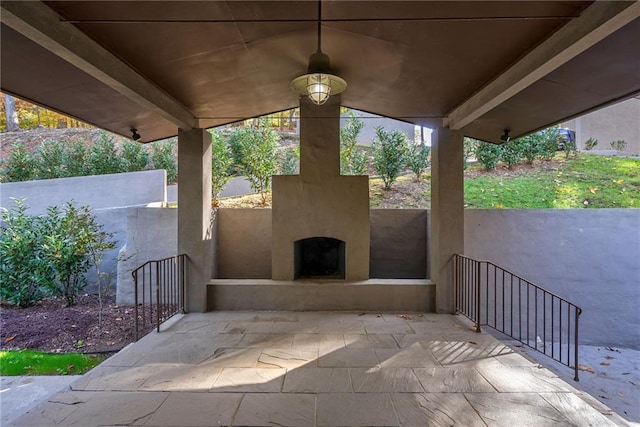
x,y
319,368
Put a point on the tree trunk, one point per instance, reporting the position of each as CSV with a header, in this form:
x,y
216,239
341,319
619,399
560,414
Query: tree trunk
x,y
11,113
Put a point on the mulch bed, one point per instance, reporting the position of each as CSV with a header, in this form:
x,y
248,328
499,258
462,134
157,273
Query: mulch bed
x,y
51,327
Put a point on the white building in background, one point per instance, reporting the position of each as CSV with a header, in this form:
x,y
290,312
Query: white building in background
x,y
619,121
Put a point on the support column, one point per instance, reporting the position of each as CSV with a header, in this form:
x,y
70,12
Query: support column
x,y
194,214
447,212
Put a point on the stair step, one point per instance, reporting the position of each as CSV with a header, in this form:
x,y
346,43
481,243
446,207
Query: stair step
x,y
322,295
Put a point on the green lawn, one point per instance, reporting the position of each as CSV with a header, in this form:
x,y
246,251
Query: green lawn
x,y
588,181
28,362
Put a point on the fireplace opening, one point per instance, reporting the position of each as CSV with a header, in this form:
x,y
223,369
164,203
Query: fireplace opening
x,y
319,258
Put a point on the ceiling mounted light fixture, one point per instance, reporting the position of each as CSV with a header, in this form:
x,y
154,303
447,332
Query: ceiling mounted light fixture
x,y
505,136
134,134
318,84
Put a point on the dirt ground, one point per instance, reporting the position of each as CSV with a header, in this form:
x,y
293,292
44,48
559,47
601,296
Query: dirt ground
x,y
51,327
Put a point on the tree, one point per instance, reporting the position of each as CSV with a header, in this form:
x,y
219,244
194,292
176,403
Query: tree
x,y
390,151
352,160
256,151
162,157
10,113
221,162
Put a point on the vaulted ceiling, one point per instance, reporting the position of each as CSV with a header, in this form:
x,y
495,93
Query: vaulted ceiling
x,y
477,66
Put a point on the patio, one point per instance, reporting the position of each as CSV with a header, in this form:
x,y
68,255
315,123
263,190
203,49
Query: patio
x,y
319,369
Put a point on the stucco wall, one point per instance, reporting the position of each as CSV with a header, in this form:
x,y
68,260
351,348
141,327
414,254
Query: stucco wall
x,y
618,121
151,235
243,243
591,257
398,243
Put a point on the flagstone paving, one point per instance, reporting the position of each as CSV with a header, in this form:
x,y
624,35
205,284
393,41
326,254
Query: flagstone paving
x,y
319,369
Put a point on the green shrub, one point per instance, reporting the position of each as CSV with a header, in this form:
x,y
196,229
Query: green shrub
x,y
103,156
390,151
590,143
220,164
570,147
25,269
352,160
511,153
488,155
71,241
618,144
50,160
135,156
20,166
76,159
547,143
257,151
418,160
162,157
289,160
529,148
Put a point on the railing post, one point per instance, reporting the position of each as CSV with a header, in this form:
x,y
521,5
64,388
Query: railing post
x,y
157,296
575,350
456,283
135,305
478,271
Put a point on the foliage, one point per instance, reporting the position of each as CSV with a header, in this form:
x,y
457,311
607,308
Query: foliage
x,y
70,244
590,143
134,155
256,149
220,164
24,268
29,362
162,157
50,160
103,156
30,116
20,166
511,153
390,151
468,150
289,160
570,147
419,160
352,160
488,155
619,144
547,143
529,148
75,159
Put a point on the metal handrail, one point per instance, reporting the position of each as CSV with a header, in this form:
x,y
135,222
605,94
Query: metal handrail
x,y
159,288
490,295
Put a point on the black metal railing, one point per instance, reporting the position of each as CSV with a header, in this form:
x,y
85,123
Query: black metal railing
x,y
159,288
490,295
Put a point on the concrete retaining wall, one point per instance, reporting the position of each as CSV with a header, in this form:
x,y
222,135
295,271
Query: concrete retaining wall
x,y
97,191
591,257
151,235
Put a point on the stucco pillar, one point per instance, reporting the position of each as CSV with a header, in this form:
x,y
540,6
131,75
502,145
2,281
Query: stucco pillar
x,y
447,213
194,214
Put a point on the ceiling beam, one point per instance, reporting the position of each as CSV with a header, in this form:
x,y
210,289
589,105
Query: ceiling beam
x,y
596,22
39,23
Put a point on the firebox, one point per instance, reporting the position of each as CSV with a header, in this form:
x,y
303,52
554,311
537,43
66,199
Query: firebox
x,y
319,258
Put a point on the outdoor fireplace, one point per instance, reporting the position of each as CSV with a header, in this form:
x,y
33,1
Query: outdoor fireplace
x,y
320,219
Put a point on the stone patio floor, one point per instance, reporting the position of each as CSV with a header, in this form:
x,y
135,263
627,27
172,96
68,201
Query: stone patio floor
x,y
319,369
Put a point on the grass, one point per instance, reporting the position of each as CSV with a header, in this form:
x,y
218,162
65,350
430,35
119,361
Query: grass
x,y
29,362
587,181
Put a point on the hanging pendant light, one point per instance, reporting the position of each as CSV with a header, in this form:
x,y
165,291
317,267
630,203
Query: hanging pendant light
x,y
318,84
